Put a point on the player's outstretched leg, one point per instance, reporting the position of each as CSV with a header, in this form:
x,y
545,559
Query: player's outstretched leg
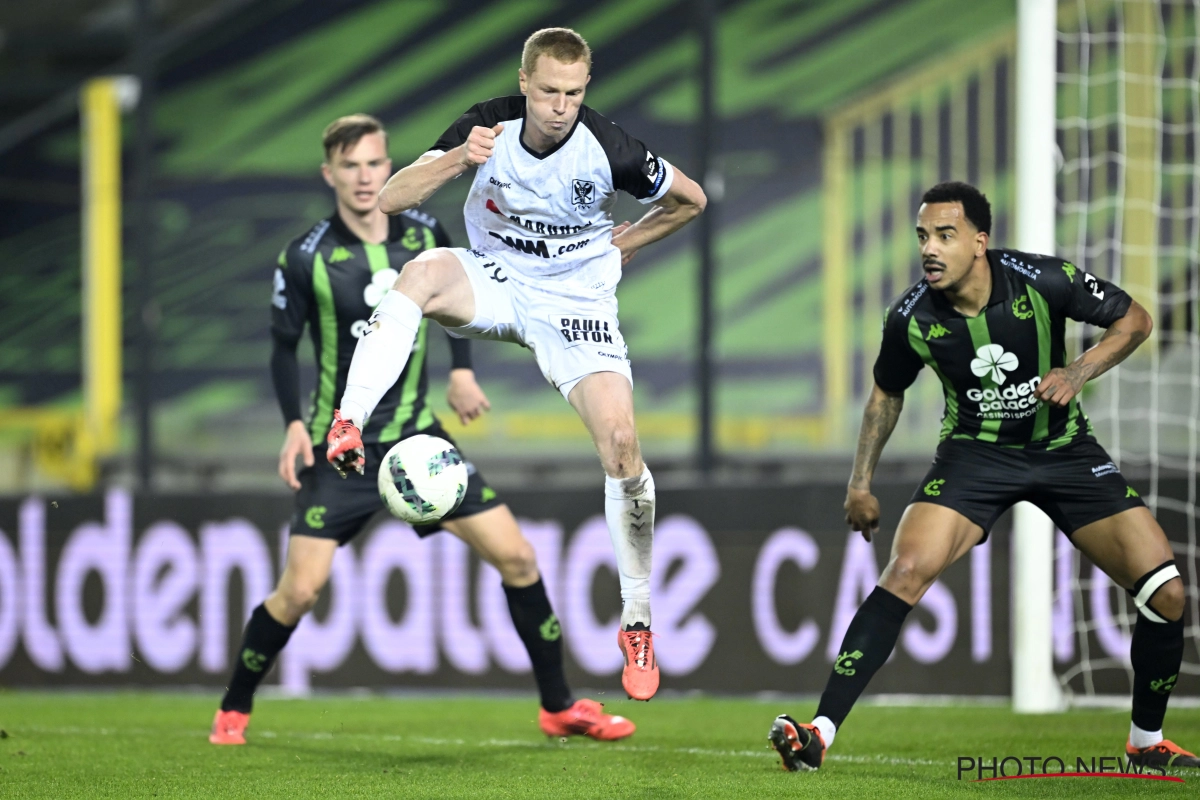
x,y
928,539
495,536
604,401
431,285
270,626
1132,549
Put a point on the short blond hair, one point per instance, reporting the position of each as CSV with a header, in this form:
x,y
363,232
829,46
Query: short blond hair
x,y
344,132
561,44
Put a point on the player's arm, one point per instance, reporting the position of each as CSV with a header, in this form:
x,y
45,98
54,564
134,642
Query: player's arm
x,y
463,392
469,142
289,310
1084,297
683,202
895,370
878,422
1118,342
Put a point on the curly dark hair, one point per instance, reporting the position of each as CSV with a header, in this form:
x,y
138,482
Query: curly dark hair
x,y
975,204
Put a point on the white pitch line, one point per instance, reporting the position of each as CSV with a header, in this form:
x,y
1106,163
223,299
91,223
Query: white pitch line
x,y
766,752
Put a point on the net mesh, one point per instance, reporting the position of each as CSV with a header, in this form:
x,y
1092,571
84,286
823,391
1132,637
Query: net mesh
x,y
1129,210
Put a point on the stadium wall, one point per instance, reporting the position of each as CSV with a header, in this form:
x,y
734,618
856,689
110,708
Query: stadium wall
x,y
753,590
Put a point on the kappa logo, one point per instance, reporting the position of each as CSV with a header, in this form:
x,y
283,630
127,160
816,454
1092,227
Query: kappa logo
x,y
583,193
992,360
936,331
1069,268
340,254
584,330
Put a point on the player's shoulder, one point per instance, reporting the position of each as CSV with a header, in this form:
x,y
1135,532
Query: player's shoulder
x,y
604,129
1035,269
301,250
902,309
499,109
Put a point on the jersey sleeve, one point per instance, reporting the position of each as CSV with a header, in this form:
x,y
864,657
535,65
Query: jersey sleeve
x,y
635,170
291,296
897,366
485,115
1084,297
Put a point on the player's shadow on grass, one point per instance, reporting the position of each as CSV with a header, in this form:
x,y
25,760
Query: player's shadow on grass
x,y
372,760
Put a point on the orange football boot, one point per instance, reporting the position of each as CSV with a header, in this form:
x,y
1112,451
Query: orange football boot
x,y
1164,754
585,718
640,676
229,727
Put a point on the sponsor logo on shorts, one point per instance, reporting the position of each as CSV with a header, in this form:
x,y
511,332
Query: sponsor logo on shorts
x,y
585,330
994,360
314,517
1011,402
934,487
583,193
1131,492
1105,469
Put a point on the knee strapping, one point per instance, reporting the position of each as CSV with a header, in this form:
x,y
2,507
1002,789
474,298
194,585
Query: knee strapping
x,y
1145,587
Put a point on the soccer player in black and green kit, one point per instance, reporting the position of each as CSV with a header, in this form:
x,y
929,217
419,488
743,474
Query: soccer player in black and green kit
x,y
331,279
990,324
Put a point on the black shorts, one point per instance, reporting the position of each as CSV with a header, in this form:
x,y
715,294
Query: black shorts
x,y
331,507
1075,485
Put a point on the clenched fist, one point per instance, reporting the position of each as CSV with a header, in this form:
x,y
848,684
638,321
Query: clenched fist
x,y
479,145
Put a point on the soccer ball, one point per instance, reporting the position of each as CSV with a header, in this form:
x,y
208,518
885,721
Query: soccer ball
x,y
422,479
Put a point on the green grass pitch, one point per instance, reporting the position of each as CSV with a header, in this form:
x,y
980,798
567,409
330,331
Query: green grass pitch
x,y
65,745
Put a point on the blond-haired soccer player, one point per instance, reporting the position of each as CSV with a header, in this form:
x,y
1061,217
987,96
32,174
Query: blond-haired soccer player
x,y
330,279
542,272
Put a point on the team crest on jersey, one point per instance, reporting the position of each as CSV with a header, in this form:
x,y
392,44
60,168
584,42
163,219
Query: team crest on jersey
x,y
583,193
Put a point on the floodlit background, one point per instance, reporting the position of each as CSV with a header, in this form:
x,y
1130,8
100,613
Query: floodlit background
x,y
814,127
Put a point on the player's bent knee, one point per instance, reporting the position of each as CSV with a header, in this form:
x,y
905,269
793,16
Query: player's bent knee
x,y
1169,600
905,578
622,458
518,566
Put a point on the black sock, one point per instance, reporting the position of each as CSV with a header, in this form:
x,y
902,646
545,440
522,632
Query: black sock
x,y
262,641
1156,653
869,641
539,630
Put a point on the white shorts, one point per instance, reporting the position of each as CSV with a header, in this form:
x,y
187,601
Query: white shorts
x,y
570,337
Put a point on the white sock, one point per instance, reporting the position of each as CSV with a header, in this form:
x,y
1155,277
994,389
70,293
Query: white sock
x,y
629,511
380,355
1140,738
827,728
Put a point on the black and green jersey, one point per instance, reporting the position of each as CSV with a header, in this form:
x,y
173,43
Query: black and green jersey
x,y
331,280
990,365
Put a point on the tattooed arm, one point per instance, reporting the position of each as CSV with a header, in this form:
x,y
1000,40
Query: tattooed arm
x,y
879,420
1122,337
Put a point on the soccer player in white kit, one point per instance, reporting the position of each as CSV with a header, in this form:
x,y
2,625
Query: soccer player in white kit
x,y
542,273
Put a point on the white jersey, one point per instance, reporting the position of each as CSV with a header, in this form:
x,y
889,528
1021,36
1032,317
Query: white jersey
x,y
549,213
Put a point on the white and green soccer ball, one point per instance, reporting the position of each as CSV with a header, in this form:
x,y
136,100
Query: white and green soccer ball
x,y
422,479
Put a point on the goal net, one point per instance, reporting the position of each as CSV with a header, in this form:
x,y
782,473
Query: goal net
x,y
1128,131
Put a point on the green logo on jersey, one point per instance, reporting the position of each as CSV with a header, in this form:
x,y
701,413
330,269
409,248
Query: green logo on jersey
x,y
314,517
487,494
1021,309
1131,492
411,241
845,663
1069,268
340,254
934,488
550,629
256,661
936,332
1164,686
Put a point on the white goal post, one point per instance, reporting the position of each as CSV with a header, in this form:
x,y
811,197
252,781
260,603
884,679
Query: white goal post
x,y
1035,688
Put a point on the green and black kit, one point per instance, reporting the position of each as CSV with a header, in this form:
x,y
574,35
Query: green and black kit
x,y
999,444
331,281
